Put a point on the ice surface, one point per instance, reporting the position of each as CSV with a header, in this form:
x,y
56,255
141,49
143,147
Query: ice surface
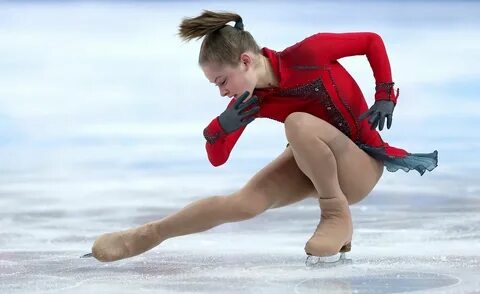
x,y
407,245
88,146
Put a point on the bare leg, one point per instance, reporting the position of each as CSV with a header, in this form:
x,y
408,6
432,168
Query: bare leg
x,y
341,173
278,184
198,216
335,229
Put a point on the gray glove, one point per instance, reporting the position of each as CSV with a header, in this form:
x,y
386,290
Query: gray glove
x,y
232,118
379,110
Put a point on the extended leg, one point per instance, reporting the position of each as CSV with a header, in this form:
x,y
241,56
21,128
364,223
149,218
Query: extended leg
x,y
279,183
198,216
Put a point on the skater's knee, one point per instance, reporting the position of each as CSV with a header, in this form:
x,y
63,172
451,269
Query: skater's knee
x,y
247,206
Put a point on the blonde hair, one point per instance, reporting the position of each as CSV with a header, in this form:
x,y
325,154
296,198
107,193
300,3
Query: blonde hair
x,y
223,44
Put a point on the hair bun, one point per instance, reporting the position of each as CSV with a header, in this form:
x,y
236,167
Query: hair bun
x,y
239,24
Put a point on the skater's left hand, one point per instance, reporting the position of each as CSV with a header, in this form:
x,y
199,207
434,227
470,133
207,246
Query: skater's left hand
x,y
379,110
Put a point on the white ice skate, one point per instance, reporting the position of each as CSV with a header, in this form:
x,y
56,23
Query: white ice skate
x,y
87,255
331,260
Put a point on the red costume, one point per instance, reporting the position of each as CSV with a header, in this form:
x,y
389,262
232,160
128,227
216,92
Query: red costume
x,y
312,80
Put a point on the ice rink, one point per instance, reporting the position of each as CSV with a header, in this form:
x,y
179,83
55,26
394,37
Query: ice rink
x,y
102,110
425,242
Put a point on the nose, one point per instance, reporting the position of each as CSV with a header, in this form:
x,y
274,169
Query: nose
x,y
223,93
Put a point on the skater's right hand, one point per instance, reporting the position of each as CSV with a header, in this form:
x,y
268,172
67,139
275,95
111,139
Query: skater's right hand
x,y
232,118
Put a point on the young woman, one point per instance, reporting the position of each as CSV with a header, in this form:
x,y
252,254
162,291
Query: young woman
x,y
334,153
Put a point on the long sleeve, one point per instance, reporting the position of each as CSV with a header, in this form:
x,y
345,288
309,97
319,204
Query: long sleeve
x,y
332,46
220,144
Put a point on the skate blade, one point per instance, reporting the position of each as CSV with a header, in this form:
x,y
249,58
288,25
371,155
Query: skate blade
x,y
87,255
327,261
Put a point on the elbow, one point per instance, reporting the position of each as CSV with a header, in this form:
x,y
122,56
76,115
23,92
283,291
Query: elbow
x,y
375,41
217,161
213,156
216,155
375,37
216,164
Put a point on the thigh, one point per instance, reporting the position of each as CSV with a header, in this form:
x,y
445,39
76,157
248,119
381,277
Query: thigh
x,y
357,171
279,183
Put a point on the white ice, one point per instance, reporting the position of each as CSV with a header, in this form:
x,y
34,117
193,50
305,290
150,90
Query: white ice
x,y
102,109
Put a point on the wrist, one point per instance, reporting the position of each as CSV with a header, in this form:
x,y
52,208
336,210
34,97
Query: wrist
x,y
214,131
384,91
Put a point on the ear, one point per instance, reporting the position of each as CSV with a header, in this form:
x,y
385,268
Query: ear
x,y
246,60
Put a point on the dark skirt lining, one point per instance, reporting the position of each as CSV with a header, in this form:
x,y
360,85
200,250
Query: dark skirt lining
x,y
420,162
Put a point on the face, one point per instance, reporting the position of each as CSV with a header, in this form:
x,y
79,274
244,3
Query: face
x,y
233,81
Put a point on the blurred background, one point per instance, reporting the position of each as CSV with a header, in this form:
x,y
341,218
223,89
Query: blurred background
x,y
102,108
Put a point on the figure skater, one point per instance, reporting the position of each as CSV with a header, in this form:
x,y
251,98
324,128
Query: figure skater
x,y
333,153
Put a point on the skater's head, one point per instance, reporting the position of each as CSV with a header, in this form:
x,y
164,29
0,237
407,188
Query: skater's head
x,y
229,56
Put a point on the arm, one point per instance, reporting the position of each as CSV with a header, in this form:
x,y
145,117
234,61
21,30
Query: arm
x,y
219,144
333,46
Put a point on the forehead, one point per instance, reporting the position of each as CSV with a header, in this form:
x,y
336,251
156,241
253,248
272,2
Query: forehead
x,y
212,71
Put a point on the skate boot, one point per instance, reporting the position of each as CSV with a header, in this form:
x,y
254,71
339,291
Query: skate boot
x,y
123,244
333,235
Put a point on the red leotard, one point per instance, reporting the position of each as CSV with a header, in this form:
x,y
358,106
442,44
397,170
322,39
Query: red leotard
x,y
312,80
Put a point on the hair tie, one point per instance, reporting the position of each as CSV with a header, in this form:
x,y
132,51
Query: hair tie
x,y
239,24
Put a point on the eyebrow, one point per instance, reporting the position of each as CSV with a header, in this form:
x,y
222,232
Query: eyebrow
x,y
215,81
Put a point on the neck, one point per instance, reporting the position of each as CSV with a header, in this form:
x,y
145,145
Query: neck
x,y
266,77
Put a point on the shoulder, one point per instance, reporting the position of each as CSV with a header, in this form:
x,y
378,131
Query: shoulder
x,y
322,39
301,44
311,42
324,43
306,48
